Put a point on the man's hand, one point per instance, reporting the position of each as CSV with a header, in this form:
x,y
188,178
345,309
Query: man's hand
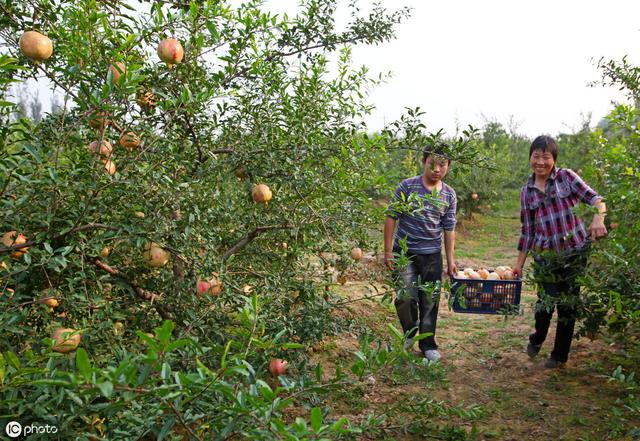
x,y
517,272
452,269
388,259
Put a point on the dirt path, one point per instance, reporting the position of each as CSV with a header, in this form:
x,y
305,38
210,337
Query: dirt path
x,y
485,386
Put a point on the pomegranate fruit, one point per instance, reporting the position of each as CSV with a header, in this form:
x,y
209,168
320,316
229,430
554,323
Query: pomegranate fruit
x,y
278,367
155,256
11,238
66,339
35,46
261,193
170,51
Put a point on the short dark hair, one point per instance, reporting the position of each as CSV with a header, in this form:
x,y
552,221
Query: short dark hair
x,y
546,144
439,149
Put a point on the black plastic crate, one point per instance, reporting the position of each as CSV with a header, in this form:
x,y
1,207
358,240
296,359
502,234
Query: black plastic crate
x,y
486,296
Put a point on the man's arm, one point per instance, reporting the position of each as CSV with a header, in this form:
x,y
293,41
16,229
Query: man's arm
x,y
389,230
449,249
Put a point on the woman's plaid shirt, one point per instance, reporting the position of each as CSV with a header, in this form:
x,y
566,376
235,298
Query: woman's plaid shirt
x,y
548,221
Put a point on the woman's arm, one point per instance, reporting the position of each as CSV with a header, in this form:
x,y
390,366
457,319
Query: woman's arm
x,y
597,228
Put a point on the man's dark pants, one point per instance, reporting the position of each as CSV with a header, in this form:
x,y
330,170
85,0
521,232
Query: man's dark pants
x,y
417,296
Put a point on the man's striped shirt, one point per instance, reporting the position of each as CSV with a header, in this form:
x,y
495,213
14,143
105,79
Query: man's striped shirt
x,y
422,216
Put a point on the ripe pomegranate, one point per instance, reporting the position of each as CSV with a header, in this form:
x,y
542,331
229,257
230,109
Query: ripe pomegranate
x,y
261,193
468,271
356,254
105,251
213,286
613,225
117,69
118,328
461,275
278,367
51,302
493,276
507,275
170,51
155,256
103,148
483,273
10,238
110,167
36,46
98,120
67,340
146,100
474,275
474,196
129,140
239,172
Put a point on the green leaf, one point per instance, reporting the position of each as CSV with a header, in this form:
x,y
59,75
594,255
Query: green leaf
x,y
316,418
13,360
106,388
83,363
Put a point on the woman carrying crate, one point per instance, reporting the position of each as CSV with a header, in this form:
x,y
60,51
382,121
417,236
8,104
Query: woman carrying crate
x,y
558,242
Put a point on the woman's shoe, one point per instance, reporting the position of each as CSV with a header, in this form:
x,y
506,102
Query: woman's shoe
x,y
553,364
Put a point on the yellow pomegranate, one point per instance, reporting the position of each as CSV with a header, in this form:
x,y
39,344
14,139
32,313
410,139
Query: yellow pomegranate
x,y
356,254
507,275
66,339
461,275
98,120
155,256
483,273
474,275
36,46
146,100
261,193
118,328
117,69
170,51
110,167
51,302
493,276
129,140
10,238
468,271
105,251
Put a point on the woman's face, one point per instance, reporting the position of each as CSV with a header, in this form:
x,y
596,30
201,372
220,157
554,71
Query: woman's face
x,y
542,163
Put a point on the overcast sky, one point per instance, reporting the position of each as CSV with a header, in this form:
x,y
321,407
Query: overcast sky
x,y
464,61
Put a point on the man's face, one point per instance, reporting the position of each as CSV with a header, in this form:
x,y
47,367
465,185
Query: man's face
x,y
436,167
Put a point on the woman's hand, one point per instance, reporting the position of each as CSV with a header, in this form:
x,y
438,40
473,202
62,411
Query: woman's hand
x,y
388,259
597,229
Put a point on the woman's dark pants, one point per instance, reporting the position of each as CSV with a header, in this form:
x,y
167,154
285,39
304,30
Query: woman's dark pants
x,y
557,288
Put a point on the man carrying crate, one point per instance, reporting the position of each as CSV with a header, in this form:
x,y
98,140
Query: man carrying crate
x,y
422,208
